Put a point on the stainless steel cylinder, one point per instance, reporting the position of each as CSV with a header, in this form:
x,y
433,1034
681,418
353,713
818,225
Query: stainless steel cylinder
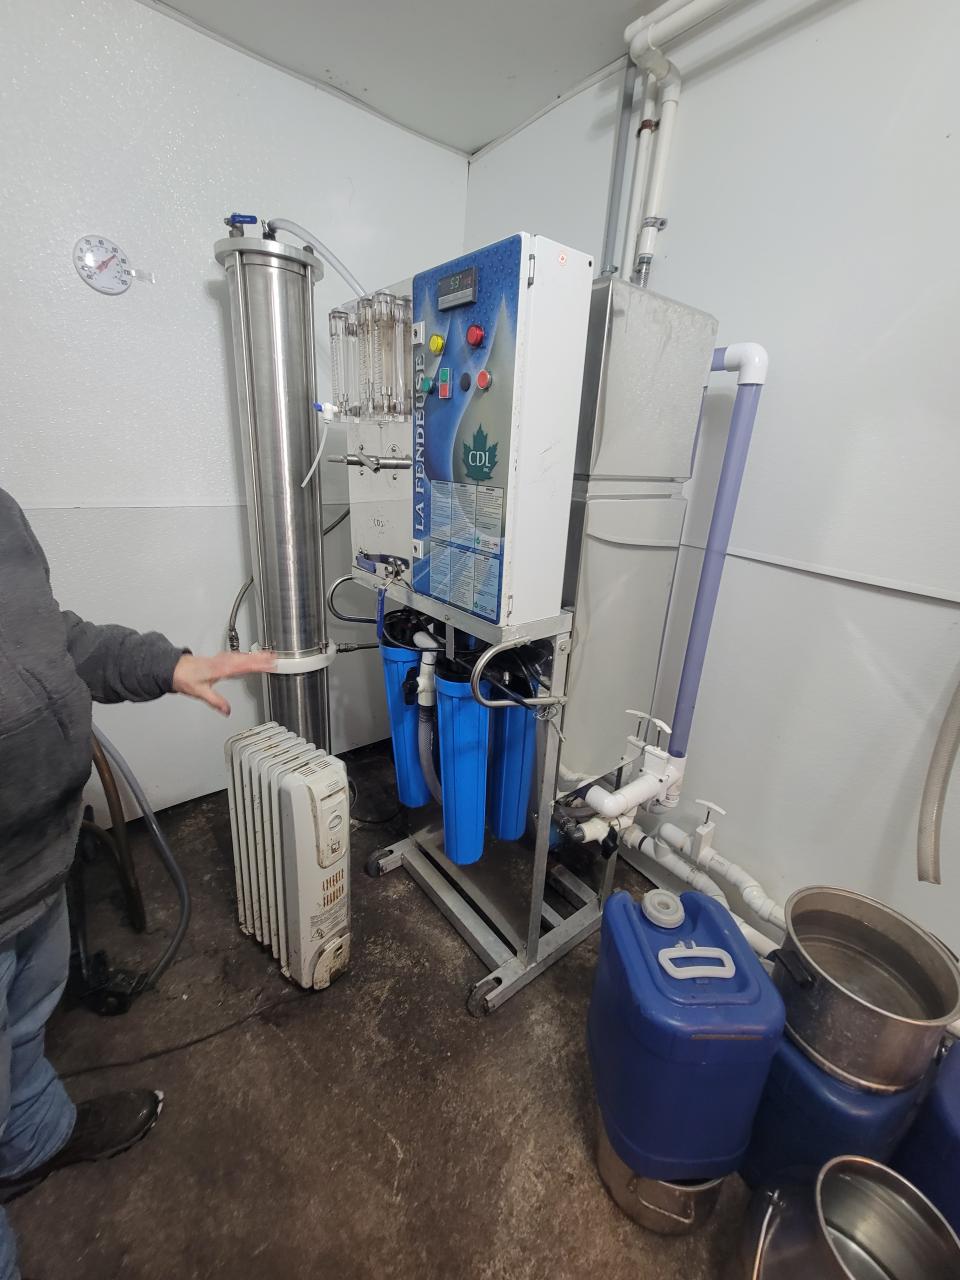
x,y
667,1208
271,309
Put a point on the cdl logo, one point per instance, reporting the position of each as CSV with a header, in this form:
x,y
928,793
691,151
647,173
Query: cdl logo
x,y
477,459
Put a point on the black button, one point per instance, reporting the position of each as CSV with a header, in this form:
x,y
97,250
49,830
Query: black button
x,y
464,382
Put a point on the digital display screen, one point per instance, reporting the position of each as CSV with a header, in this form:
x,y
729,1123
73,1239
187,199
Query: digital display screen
x,y
457,289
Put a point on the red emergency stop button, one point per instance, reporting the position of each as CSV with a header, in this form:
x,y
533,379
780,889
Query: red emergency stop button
x,y
484,379
475,335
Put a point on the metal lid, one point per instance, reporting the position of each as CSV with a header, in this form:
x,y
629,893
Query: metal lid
x,y
281,253
663,908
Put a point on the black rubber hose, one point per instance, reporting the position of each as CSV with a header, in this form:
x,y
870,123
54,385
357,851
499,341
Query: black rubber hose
x,y
126,868
166,857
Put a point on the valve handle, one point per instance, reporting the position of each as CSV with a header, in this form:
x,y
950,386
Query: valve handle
x,y
711,808
647,716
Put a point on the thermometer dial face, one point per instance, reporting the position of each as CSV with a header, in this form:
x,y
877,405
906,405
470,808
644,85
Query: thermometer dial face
x,y
103,264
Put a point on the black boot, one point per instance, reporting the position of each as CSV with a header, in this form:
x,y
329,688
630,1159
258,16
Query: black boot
x,y
104,1127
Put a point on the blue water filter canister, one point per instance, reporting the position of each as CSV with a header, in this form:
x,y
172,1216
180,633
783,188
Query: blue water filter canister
x,y
512,759
929,1156
464,728
398,664
682,1029
807,1117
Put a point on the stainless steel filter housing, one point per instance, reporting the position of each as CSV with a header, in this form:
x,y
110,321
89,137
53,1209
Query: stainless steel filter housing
x,y
271,309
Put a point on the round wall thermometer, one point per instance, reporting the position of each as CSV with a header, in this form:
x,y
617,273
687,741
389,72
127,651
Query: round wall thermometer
x,y
103,264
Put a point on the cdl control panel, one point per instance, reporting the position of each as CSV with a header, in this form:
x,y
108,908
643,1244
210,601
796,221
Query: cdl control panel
x,y
498,349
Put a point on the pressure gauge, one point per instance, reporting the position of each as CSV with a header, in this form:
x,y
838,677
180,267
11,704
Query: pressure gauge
x,y
102,264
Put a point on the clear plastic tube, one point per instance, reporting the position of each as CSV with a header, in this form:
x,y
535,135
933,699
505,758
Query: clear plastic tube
x,y
935,793
295,229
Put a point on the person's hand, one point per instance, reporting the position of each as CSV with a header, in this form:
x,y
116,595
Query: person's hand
x,y
196,676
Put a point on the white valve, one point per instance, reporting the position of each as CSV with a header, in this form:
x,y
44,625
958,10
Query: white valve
x,y
711,808
646,717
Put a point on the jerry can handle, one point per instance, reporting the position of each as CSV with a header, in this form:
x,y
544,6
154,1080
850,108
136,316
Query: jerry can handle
x,y
668,957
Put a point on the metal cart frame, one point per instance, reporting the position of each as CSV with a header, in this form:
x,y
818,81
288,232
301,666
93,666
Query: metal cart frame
x,y
514,956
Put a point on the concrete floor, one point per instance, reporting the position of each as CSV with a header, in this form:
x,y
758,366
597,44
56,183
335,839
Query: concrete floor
x,y
372,1130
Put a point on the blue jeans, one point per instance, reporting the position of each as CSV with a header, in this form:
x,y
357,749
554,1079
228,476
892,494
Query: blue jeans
x,y
36,1116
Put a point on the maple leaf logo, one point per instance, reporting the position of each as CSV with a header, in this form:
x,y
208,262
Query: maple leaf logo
x,y
479,457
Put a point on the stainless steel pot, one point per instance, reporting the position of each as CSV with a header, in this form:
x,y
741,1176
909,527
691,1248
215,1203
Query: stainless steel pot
x,y
668,1208
868,993
862,1221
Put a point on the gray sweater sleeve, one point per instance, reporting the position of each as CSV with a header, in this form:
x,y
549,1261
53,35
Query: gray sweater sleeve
x,y
120,665
115,663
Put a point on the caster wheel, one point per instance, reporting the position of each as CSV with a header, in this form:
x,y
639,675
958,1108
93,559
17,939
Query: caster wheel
x,y
477,999
372,866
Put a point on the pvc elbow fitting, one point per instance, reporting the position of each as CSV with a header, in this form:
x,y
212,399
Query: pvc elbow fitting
x,y
749,361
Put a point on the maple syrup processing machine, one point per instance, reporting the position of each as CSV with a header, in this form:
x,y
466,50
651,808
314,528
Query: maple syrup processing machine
x,y
518,435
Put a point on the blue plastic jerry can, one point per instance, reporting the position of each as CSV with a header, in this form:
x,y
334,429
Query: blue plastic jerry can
x,y
682,1029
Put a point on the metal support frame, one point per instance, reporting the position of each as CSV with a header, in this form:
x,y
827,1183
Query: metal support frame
x,y
514,955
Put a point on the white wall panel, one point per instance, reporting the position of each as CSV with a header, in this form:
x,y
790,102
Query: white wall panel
x,y
812,202
119,431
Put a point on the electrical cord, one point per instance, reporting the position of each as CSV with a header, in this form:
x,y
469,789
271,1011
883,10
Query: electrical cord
x,y
180,1046
370,822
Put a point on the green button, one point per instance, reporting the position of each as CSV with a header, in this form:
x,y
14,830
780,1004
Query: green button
x,y
444,375
426,385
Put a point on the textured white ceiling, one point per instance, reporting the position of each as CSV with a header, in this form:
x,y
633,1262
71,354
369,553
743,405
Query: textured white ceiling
x,y
461,71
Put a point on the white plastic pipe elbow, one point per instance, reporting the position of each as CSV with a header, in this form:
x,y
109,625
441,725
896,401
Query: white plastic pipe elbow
x,y
749,361
754,896
643,789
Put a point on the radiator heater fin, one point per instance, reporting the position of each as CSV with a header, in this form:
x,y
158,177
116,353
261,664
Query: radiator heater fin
x,y
290,825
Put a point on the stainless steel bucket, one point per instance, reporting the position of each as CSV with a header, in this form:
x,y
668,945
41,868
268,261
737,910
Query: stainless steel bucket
x,y
668,1208
868,993
862,1221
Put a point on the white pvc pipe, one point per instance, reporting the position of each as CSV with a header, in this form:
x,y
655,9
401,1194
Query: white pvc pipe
x,y
671,19
638,189
655,15
754,896
643,789
295,229
680,869
669,98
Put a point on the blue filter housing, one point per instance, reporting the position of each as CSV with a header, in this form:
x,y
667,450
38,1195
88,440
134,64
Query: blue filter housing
x,y
806,1117
464,728
930,1154
511,770
398,663
682,1029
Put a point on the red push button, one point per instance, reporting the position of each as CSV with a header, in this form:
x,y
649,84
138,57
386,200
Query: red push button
x,y
484,379
475,335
